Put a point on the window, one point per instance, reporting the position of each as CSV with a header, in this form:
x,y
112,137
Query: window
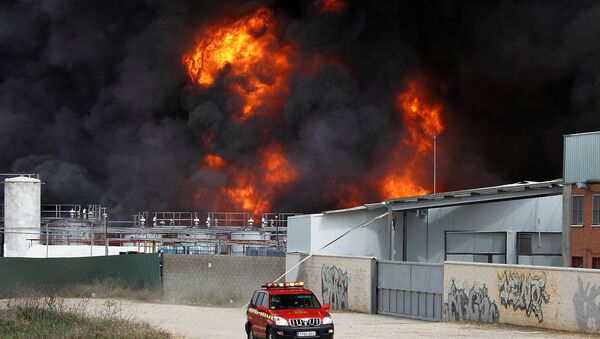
x,y
596,211
596,263
524,243
488,247
577,210
260,298
577,261
539,248
254,297
288,301
265,301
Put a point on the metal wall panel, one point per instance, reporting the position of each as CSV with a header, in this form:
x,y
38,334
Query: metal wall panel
x,y
410,290
581,158
53,274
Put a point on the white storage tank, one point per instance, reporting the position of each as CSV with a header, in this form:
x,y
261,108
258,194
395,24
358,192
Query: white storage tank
x,y
247,236
22,203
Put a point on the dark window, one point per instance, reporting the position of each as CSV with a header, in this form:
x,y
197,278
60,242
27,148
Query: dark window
x,y
524,243
577,210
596,211
260,298
284,301
577,261
265,301
596,263
254,297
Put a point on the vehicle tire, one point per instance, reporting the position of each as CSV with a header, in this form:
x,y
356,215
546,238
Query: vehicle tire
x,y
249,332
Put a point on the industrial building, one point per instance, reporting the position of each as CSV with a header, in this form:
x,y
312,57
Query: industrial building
x,y
29,228
517,223
551,223
582,200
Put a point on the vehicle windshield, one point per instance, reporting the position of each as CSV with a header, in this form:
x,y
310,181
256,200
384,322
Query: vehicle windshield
x,y
286,301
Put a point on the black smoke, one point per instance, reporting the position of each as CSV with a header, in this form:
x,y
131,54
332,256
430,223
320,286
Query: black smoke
x,y
93,95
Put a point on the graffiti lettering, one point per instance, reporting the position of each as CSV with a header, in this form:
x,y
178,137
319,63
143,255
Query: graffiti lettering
x,y
526,293
472,306
587,306
334,287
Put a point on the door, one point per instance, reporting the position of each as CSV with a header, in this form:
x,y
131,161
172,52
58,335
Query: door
x,y
258,318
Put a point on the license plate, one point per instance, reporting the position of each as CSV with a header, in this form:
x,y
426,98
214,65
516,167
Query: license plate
x,y
306,334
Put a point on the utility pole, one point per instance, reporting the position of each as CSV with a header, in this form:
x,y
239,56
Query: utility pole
x,y
434,160
104,215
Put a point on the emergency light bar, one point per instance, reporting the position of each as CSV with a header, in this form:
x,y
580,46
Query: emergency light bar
x,y
284,284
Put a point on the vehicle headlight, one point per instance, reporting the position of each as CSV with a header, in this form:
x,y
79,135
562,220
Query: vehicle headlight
x,y
327,320
280,321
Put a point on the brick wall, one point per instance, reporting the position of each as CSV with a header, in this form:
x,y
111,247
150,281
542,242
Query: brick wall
x,y
565,299
220,280
585,240
346,283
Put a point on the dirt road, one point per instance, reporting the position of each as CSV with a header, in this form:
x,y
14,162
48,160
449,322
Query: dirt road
x,y
228,323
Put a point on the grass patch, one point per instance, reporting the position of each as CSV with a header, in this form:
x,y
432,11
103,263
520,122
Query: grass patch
x,y
49,317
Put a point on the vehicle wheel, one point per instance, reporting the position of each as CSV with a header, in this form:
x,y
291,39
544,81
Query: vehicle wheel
x,y
249,331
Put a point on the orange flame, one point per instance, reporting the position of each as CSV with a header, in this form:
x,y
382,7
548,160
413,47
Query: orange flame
x,y
254,188
248,52
214,161
276,168
422,121
406,172
330,5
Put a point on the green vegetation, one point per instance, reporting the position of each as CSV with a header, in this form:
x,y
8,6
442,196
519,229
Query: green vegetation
x,y
49,317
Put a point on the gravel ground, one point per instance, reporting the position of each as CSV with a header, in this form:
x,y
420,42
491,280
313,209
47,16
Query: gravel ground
x,y
226,323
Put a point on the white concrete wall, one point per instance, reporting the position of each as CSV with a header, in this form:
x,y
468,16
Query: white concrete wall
x,y
566,299
299,233
344,282
22,215
525,215
372,240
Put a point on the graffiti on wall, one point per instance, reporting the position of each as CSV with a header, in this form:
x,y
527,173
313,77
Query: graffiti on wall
x,y
587,306
334,287
525,292
472,306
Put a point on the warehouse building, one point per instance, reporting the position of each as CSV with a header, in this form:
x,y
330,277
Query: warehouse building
x,y
518,223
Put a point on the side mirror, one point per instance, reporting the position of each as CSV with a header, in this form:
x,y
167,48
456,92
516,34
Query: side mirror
x,y
326,307
261,308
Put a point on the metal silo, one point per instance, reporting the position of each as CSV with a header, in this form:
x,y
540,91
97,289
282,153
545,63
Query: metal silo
x,y
21,214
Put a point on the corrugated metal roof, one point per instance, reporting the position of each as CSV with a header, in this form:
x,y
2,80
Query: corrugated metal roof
x,y
519,190
581,157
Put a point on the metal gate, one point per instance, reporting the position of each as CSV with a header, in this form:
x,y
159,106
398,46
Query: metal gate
x,y
410,290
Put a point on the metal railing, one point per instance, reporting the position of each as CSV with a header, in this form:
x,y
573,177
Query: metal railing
x,y
272,221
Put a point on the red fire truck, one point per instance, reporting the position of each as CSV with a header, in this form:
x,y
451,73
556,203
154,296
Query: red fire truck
x,y
287,310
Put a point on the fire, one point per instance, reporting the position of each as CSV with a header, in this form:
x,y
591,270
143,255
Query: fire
x,y
252,188
214,161
249,54
275,166
422,121
330,5
245,195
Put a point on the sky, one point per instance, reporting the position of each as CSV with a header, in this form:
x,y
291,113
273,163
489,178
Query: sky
x,y
96,97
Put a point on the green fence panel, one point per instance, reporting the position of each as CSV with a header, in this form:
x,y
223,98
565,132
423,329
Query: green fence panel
x,y
132,270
